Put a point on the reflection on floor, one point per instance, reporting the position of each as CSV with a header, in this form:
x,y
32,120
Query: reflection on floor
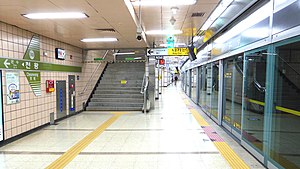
x,y
167,138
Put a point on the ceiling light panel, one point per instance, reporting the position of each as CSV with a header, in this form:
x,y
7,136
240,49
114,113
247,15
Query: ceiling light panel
x,y
56,15
164,2
163,32
99,40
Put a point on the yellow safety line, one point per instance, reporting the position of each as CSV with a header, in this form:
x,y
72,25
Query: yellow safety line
x,y
231,157
69,155
186,102
283,109
199,118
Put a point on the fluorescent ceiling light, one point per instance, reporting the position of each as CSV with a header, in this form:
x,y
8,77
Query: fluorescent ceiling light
x,y
99,40
174,10
125,53
259,15
56,15
175,45
216,13
163,32
163,2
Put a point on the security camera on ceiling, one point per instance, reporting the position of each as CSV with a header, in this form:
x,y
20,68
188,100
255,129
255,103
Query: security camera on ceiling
x,y
139,36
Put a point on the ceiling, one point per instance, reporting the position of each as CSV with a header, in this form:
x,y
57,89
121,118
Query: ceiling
x,y
119,15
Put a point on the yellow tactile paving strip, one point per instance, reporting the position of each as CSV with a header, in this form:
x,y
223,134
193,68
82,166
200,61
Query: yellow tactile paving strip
x,y
199,118
231,157
69,155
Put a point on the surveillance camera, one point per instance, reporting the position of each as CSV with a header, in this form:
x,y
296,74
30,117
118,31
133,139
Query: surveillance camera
x,y
139,37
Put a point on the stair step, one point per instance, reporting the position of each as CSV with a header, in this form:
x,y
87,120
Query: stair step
x,y
118,96
112,104
114,108
109,87
117,92
113,82
101,85
109,77
125,100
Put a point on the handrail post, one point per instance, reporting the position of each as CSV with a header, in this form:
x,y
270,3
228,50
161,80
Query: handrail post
x,y
147,83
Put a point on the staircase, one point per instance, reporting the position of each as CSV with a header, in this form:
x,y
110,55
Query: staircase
x,y
120,87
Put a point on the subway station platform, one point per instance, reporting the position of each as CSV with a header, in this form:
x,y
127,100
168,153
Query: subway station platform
x,y
176,135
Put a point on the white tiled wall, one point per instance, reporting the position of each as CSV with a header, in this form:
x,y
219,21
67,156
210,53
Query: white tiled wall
x,y
34,111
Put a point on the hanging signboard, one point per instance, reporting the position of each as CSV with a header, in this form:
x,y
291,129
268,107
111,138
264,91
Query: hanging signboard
x,y
12,87
169,52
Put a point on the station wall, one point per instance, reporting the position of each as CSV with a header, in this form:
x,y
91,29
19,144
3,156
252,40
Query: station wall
x,y
33,111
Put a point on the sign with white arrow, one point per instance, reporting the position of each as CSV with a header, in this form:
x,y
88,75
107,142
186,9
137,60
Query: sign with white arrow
x,y
168,52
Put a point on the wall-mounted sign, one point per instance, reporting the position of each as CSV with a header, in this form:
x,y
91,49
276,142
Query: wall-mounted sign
x,y
7,63
34,79
50,86
169,52
12,87
60,54
162,61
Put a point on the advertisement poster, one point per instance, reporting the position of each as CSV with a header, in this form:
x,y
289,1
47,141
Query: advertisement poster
x,y
12,87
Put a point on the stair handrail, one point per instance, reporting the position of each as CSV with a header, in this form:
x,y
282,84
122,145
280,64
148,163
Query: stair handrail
x,y
85,88
257,85
289,65
146,96
144,91
143,84
281,72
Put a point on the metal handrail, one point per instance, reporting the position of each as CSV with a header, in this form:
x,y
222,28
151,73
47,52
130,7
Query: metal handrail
x,y
144,91
257,85
143,84
145,96
85,88
289,65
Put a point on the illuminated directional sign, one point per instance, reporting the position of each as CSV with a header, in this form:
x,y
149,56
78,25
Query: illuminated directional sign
x,y
168,52
32,65
178,51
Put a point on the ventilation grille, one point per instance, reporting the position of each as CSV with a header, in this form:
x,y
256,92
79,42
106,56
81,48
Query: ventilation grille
x,y
198,14
107,30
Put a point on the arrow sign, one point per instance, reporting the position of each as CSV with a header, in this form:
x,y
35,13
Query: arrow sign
x,y
149,51
6,64
157,52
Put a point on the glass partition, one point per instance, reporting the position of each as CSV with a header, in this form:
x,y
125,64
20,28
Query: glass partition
x,y
188,82
233,86
194,84
215,89
285,140
203,87
254,98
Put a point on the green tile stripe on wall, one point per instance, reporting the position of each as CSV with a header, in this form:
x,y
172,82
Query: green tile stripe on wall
x,y
28,65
